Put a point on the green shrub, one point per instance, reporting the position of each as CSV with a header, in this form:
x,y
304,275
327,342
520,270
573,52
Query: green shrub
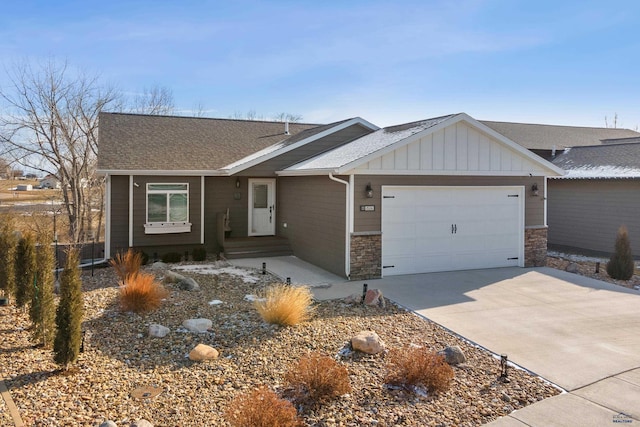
x,y
261,408
316,377
199,254
26,266
413,366
620,265
171,257
8,244
66,345
285,305
42,310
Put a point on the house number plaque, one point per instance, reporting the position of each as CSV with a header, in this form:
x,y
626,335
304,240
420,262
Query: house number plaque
x,y
367,208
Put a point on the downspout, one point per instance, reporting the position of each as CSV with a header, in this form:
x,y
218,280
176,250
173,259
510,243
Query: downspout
x,y
347,225
130,211
107,227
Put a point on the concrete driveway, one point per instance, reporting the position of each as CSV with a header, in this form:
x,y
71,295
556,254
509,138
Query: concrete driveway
x,y
579,333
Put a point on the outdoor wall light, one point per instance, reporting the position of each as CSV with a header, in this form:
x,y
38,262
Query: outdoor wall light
x,y
237,182
534,189
369,191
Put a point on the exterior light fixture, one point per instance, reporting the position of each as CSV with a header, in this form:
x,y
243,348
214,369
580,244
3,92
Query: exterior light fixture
x,y
237,182
534,189
369,191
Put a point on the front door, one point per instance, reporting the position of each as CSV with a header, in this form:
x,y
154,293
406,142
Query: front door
x,y
262,207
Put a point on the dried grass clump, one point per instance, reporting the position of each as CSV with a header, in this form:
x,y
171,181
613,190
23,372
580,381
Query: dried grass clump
x,y
285,305
413,366
141,293
317,377
126,264
261,408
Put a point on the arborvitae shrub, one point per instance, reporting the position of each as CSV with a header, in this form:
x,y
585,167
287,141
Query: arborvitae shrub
x,y
415,366
261,408
199,254
316,378
8,244
126,264
26,265
141,293
620,265
285,305
42,310
171,257
66,345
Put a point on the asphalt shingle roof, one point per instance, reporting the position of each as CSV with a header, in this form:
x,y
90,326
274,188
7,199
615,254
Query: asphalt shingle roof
x,y
548,137
603,161
164,143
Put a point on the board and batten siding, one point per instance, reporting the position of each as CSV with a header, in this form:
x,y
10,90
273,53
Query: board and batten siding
x,y
268,168
313,209
140,239
585,214
458,149
371,220
119,214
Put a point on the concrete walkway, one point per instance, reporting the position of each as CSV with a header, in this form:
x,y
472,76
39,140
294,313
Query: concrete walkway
x,y
579,333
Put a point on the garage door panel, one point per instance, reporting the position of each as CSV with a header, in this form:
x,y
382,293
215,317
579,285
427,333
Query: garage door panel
x,y
427,229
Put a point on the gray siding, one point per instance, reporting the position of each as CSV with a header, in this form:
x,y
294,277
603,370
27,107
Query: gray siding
x,y
221,194
371,221
341,137
119,214
586,214
314,210
140,239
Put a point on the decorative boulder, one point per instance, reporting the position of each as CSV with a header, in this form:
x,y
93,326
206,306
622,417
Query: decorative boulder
x,y
159,265
203,352
367,342
197,325
172,277
141,423
188,284
571,268
158,331
108,423
374,297
353,299
453,355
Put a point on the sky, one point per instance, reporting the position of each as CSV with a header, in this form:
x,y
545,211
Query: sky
x,y
390,62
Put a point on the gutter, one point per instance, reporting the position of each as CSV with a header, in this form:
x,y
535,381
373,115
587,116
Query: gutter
x,y
347,225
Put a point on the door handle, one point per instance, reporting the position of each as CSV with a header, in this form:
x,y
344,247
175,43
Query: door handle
x,y
270,214
455,228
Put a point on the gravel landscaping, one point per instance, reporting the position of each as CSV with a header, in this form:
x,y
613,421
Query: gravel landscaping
x,y
120,357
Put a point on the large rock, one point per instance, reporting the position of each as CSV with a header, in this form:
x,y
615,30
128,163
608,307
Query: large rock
x,y
197,325
571,268
188,284
453,355
159,265
108,423
203,352
353,299
158,331
367,342
374,297
141,423
172,277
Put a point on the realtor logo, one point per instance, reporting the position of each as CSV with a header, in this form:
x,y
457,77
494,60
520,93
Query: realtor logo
x,y
622,418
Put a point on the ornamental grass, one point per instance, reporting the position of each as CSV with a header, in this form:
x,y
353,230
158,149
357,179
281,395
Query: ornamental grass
x,y
141,293
261,408
285,305
316,378
126,264
417,366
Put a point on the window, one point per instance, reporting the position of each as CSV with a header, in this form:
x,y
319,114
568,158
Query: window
x,y
167,208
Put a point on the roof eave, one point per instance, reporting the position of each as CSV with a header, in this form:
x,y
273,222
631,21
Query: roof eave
x,y
161,172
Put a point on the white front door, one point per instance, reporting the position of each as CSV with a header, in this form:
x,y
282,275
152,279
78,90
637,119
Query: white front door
x,y
262,207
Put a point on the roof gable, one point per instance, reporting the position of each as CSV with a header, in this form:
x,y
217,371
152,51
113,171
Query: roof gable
x,y
448,145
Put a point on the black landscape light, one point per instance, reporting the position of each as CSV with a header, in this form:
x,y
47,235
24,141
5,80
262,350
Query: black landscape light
x,y
503,367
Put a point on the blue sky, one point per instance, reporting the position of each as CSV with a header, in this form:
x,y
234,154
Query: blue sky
x,y
558,62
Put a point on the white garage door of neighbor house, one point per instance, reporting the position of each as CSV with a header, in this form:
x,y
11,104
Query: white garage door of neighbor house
x,y
428,229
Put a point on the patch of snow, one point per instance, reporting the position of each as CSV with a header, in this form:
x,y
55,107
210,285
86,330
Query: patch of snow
x,y
215,302
247,276
576,258
603,171
252,298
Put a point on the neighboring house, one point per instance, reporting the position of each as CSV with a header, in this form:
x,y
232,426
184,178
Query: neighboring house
x,y
599,193
440,194
50,181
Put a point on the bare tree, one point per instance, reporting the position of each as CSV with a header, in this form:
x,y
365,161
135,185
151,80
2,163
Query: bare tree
x,y
51,125
280,117
157,100
287,117
614,124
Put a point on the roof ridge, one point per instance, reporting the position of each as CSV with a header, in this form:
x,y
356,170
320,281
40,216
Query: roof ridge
x,y
167,116
559,126
620,144
419,121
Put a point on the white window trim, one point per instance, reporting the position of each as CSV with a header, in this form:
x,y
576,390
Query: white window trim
x,y
166,227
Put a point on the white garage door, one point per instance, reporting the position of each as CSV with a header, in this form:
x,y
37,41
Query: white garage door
x,y
427,229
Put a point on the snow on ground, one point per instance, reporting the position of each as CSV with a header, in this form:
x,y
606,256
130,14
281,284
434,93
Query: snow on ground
x,y
247,276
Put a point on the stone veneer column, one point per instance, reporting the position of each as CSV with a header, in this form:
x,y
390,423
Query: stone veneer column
x,y
535,246
366,255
